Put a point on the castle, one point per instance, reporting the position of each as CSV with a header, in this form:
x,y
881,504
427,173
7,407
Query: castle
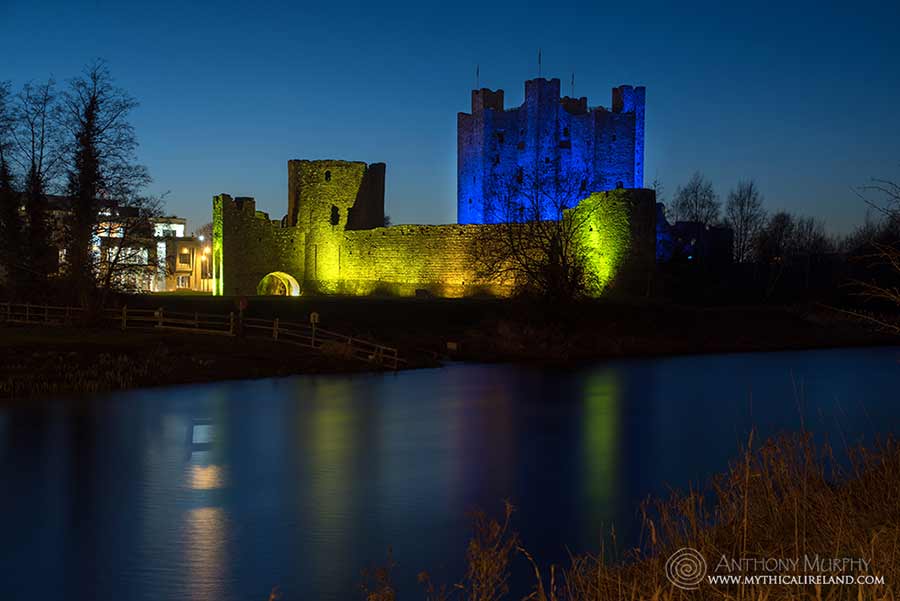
x,y
597,148
333,240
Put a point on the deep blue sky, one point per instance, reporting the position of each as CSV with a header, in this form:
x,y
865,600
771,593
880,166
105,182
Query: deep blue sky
x,y
802,97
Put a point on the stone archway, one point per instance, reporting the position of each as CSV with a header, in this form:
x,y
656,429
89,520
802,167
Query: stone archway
x,y
278,283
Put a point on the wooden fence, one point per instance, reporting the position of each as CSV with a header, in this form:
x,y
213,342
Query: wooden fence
x,y
233,324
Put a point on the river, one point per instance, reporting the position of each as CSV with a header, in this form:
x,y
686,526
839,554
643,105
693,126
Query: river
x,y
221,491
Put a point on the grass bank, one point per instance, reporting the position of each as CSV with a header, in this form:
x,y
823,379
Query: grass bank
x,y
510,330
786,500
43,361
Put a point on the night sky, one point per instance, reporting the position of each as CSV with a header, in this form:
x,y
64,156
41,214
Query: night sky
x,y
802,97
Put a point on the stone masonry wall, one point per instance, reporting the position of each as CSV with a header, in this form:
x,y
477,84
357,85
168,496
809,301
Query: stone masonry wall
x,y
253,246
402,259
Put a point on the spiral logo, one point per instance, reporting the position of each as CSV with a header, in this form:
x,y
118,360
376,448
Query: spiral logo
x,y
686,569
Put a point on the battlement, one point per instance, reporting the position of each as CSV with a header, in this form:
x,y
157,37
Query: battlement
x,y
486,99
603,148
627,99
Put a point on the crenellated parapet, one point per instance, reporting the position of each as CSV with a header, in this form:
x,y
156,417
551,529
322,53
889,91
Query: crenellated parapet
x,y
562,137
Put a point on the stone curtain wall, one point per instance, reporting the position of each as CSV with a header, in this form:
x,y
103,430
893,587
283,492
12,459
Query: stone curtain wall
x,y
253,246
619,244
402,259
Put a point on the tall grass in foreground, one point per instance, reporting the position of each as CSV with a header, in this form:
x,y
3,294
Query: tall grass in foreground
x,y
787,498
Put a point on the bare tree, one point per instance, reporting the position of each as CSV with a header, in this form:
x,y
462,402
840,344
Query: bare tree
x,y
882,252
745,215
696,201
533,243
11,226
37,152
206,231
104,183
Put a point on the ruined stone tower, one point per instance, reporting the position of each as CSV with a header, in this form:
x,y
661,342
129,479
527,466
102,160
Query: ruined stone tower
x,y
601,148
329,194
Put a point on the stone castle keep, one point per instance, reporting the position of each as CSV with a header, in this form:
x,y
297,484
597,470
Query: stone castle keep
x,y
601,149
332,238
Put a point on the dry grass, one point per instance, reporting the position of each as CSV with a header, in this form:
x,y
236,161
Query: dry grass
x,y
788,498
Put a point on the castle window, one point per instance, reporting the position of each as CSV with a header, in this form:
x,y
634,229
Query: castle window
x,y
328,176
566,132
521,146
519,175
500,137
583,185
496,159
335,215
614,137
565,144
619,184
547,160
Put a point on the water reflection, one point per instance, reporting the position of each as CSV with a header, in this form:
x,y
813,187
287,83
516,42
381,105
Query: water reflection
x,y
205,541
226,490
600,401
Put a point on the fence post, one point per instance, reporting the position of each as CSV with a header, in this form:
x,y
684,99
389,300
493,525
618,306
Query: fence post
x,y
231,323
159,316
275,329
124,317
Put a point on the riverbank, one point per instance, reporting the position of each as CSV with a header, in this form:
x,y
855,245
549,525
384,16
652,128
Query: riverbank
x,y
489,330
786,521
41,361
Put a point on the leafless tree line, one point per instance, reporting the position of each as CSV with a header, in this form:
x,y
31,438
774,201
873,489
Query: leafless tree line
x,y
758,236
76,142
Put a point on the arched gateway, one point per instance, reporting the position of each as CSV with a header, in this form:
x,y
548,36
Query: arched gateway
x,y
278,283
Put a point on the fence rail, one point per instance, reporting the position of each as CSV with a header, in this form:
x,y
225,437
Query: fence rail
x,y
233,324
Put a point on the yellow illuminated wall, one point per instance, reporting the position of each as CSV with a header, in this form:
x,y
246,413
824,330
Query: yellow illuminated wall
x,y
618,234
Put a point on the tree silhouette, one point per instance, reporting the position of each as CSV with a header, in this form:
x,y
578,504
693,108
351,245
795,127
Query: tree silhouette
x,y
745,215
696,201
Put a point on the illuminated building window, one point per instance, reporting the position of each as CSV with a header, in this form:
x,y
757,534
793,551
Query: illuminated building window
x,y
184,258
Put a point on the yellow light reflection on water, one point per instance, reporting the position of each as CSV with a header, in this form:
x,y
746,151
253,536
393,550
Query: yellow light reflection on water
x,y
601,399
206,477
205,552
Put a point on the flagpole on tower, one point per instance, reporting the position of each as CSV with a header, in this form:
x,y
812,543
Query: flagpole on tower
x,y
539,62
477,76
573,84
